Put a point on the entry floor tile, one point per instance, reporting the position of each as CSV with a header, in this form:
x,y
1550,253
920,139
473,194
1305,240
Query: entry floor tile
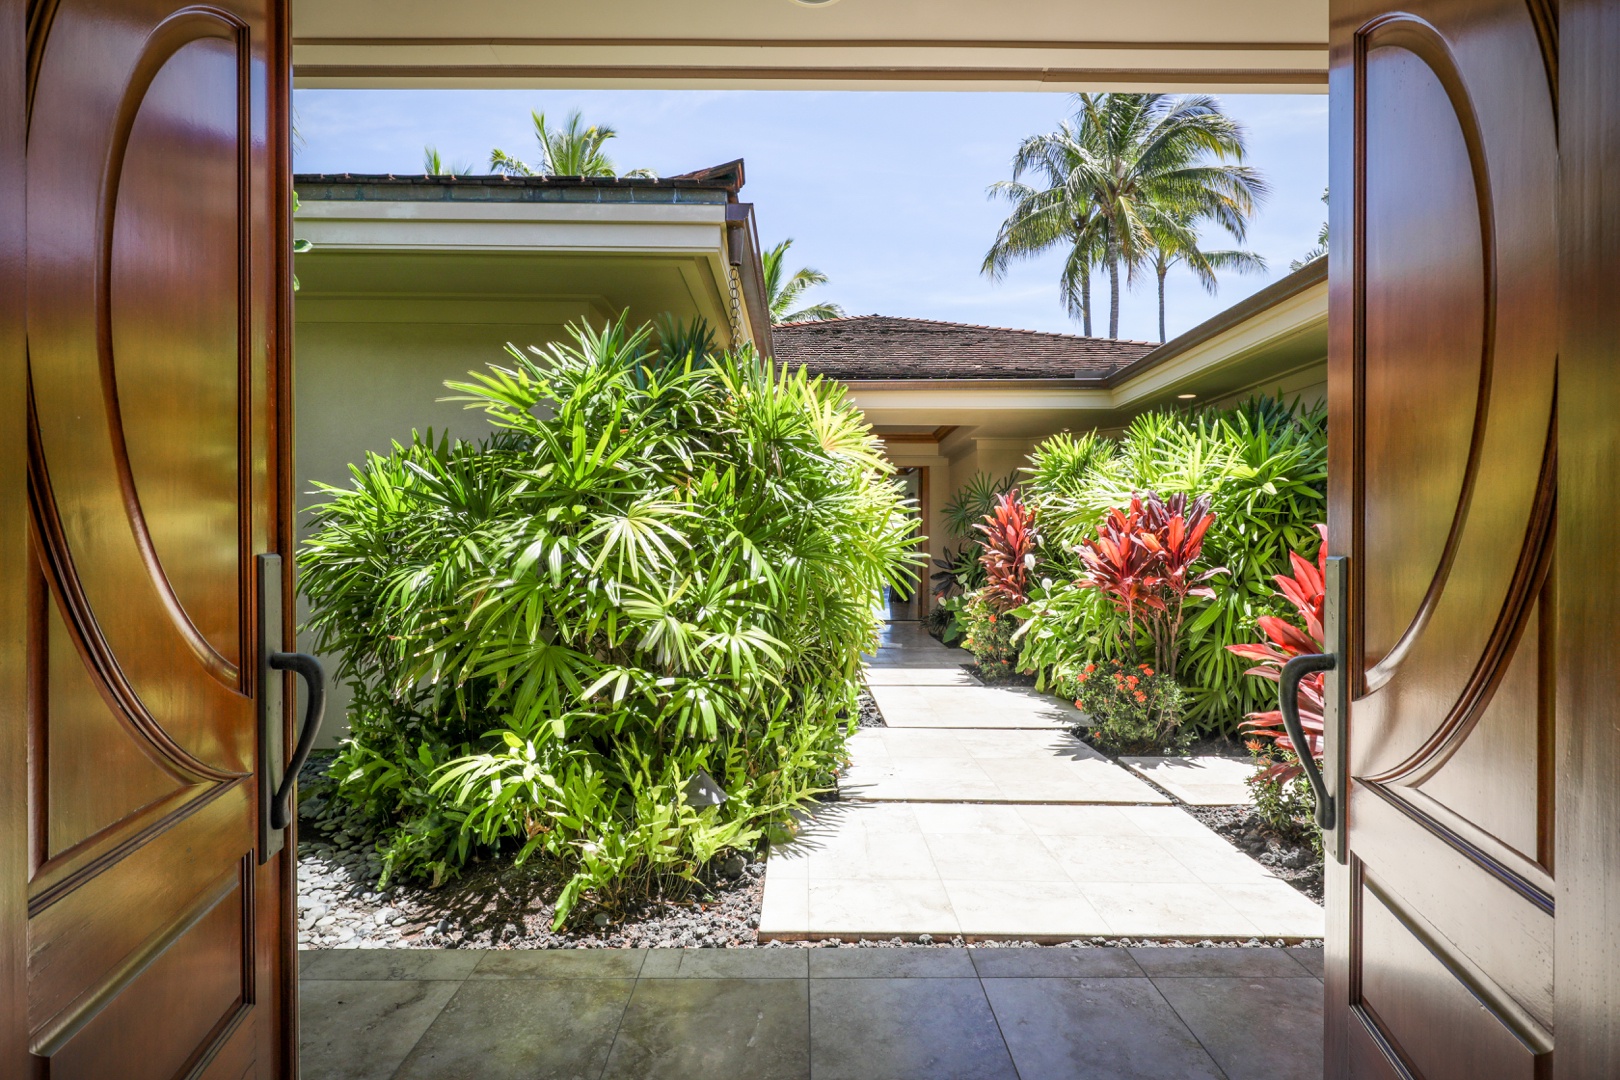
x,y
976,765
1222,1013
1122,1029
1200,781
363,1029
691,1028
510,1028
1248,1014
905,1029
1016,871
971,707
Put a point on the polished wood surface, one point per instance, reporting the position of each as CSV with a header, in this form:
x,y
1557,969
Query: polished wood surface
x,y
156,944
14,571
1588,709
1443,378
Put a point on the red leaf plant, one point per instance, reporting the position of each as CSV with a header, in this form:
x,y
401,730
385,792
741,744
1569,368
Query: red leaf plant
x,y
1143,558
1009,552
1306,591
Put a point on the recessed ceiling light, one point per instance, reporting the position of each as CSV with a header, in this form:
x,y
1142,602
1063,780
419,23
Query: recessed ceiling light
x,y
1186,397
815,3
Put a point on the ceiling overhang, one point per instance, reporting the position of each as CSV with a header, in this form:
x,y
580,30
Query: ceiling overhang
x,y
1170,45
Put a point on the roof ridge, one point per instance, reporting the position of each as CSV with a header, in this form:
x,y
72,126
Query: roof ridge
x,y
968,326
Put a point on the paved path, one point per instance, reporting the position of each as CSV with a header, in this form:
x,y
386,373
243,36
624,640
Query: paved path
x,y
830,1014
980,816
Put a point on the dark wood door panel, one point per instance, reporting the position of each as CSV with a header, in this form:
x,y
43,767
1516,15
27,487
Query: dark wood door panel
x,y
87,944
1428,1014
139,359
1443,380
157,945
179,1007
1491,928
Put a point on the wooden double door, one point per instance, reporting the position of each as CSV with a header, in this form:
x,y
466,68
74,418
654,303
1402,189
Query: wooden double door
x,y
147,919
1474,930
1472,926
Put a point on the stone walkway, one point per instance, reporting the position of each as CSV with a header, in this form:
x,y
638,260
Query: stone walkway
x,y
976,815
826,1014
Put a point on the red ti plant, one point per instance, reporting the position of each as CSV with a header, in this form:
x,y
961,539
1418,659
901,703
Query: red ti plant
x,y
1009,552
1143,559
1306,590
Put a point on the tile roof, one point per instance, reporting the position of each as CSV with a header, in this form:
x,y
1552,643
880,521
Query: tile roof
x,y
887,347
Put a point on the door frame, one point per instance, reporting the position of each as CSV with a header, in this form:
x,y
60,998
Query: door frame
x,y
13,535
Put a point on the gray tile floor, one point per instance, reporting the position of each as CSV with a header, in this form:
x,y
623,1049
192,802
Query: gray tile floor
x,y
826,1014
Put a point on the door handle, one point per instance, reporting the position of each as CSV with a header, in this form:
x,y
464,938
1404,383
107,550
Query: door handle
x,y
1331,783
278,776
1288,682
314,676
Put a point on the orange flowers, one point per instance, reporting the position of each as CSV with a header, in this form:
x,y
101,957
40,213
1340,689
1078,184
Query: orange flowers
x,y
1140,697
1131,680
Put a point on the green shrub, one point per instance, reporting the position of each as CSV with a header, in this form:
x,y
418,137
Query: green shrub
x,y
1131,709
987,633
666,561
1264,465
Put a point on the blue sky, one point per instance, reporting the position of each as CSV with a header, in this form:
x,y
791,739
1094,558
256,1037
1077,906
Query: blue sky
x,y
884,192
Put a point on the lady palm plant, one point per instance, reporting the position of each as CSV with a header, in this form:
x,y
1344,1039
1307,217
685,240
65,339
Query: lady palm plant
x,y
663,563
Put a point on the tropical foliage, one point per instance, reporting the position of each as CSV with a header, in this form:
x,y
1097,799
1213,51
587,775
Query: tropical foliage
x,y
782,289
989,634
1319,250
661,567
571,150
1009,541
1130,708
1143,559
1262,467
1305,590
434,164
1127,179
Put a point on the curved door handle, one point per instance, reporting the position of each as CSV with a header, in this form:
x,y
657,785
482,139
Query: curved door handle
x,y
1288,700
281,808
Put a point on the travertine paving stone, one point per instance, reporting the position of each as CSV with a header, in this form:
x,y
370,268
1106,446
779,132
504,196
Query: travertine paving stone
x,y
975,765
918,675
1039,873
975,813
1199,781
972,707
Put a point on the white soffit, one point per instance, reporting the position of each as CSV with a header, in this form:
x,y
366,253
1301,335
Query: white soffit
x,y
1173,45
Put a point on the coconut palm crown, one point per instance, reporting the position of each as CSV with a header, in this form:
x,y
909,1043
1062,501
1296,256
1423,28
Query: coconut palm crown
x,y
572,150
783,290
1108,180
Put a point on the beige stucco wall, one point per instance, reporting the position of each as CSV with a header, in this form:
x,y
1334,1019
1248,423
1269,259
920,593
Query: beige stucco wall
x,y
359,386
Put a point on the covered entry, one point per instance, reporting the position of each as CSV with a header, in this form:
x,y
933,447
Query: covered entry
x,y
144,907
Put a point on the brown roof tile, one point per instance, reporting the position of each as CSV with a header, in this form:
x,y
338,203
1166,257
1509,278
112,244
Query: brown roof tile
x,y
886,347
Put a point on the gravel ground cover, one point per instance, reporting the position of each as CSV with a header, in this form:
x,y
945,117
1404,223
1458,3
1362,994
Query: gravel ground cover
x,y
495,905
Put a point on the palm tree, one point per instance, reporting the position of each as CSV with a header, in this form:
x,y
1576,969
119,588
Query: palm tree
x,y
434,165
1321,247
1175,240
572,150
1045,217
1113,169
782,293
